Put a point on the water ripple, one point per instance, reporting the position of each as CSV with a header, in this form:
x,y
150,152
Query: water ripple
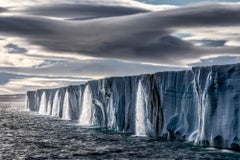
x,y
26,135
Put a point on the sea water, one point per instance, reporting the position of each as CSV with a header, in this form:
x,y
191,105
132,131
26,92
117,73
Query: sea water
x,y
27,135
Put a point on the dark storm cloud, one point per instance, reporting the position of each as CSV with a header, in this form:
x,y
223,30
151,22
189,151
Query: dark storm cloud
x,y
15,49
160,50
140,37
16,25
83,11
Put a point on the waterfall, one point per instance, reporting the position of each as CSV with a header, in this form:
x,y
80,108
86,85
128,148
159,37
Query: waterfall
x,y
49,107
43,103
66,114
193,137
85,117
140,113
111,113
56,106
204,107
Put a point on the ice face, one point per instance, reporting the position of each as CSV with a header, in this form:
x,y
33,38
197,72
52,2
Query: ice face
x,y
43,104
199,105
56,105
86,113
66,107
140,111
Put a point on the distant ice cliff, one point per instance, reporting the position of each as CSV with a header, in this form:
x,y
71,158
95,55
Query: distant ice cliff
x,y
201,105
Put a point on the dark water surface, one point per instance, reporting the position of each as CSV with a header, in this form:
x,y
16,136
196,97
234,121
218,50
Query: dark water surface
x,y
26,135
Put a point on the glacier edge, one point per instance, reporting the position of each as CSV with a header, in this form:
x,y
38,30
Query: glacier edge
x,y
201,105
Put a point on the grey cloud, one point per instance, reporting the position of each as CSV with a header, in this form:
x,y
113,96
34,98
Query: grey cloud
x,y
203,15
140,37
70,72
210,43
47,63
38,79
15,49
83,11
183,2
217,61
6,77
3,9
16,25
89,68
159,51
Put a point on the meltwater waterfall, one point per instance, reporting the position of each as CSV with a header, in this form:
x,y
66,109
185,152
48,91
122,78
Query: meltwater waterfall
x,y
204,123
140,112
200,105
43,104
66,114
85,117
56,105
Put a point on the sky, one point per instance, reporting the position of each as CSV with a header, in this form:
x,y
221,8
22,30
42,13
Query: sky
x,y
51,43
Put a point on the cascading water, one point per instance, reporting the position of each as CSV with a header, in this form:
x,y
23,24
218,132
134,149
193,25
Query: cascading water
x,y
204,106
193,137
56,106
66,114
42,107
140,128
111,112
49,107
85,117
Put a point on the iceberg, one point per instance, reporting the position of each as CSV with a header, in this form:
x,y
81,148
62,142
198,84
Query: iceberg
x,y
200,105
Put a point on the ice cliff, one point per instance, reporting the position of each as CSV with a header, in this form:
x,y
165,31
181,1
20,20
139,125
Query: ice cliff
x,y
200,105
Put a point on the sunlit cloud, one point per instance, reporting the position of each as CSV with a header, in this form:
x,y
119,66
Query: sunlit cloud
x,y
46,44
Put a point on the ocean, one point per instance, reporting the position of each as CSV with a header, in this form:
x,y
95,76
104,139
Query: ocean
x,y
27,135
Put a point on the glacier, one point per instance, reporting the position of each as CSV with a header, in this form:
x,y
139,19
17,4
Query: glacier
x,y
200,105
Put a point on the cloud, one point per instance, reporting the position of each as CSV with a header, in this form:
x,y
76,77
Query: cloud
x,y
20,79
218,61
12,83
93,68
121,37
3,9
19,60
6,77
20,86
83,11
16,5
141,37
15,49
210,43
183,2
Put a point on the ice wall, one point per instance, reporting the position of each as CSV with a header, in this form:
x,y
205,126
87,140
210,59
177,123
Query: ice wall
x,y
199,105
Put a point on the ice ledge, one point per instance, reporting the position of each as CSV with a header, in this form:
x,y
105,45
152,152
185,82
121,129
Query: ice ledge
x,y
201,105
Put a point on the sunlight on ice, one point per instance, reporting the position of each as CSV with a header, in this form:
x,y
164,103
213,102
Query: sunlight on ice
x,y
66,114
140,115
56,106
42,108
85,117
